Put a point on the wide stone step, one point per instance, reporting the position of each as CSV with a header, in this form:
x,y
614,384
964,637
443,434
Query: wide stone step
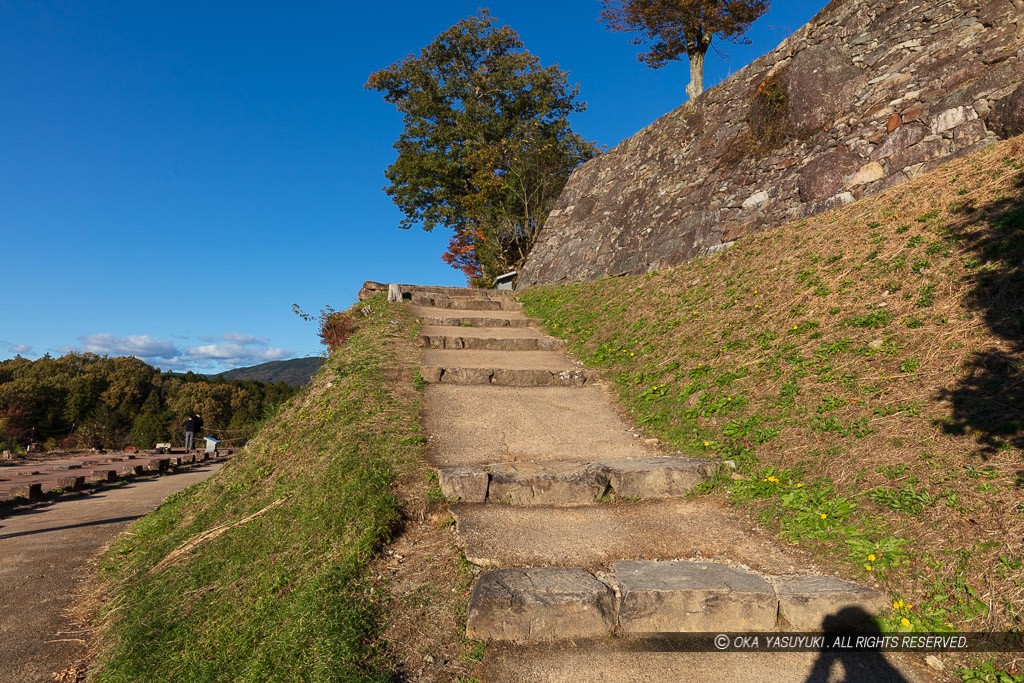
x,y
624,660
597,535
483,358
506,377
370,288
465,303
480,425
638,598
456,341
473,321
575,483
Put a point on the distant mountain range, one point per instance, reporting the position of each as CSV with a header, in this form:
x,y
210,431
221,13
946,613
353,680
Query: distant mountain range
x,y
294,372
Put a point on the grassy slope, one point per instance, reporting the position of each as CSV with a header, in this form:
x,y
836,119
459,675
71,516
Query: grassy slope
x,y
863,369
281,596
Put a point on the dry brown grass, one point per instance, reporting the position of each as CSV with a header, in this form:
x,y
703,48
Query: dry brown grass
x,y
949,342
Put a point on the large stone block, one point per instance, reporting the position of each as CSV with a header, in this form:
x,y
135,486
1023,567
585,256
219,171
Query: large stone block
x,y
465,376
552,603
158,464
660,597
103,476
658,477
72,483
807,601
898,140
539,378
821,82
27,491
465,484
826,175
1007,116
548,483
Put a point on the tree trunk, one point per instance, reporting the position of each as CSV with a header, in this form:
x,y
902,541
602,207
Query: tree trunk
x,y
696,86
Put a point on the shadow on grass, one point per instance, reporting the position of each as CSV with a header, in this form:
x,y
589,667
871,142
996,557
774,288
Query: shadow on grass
x,y
988,403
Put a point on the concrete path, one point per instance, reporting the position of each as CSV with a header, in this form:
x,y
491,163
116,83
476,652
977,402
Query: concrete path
x,y
550,487
46,554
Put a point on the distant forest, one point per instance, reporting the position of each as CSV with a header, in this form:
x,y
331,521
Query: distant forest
x,y
82,400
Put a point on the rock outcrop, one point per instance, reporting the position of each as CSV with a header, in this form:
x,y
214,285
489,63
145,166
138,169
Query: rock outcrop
x,y
867,95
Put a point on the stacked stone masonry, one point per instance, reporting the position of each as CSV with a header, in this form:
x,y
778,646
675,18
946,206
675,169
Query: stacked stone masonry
x,y
879,91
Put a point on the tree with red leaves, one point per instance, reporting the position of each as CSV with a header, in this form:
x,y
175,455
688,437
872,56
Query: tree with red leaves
x,y
677,27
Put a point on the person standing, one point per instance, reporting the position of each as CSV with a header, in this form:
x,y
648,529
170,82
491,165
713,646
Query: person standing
x,y
192,425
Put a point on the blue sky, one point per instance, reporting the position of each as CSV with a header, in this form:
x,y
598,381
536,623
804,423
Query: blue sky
x,y
174,176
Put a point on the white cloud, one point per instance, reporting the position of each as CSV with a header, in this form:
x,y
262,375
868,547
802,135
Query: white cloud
x,y
140,345
229,350
246,339
230,353
17,349
238,338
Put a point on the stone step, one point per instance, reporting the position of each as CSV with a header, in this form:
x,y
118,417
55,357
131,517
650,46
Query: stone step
x,y
472,321
507,377
483,358
633,660
371,288
575,483
465,303
644,597
490,342
597,535
480,425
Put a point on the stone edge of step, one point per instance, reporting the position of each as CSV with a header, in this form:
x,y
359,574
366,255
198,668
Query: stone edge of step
x,y
510,377
575,483
527,604
455,342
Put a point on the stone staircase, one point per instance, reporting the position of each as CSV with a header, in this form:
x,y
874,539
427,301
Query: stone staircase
x,y
584,528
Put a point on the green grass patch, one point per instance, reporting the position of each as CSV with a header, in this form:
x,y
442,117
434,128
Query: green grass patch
x,y
259,573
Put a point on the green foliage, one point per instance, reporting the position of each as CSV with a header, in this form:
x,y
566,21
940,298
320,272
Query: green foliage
x,y
986,672
85,400
284,595
908,499
486,145
675,28
875,319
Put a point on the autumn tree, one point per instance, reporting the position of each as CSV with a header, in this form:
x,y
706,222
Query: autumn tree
x,y
677,27
486,145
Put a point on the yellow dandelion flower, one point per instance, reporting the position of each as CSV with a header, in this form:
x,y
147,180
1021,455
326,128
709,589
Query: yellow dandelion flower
x,y
871,558
706,443
897,604
632,354
904,622
824,516
867,567
799,485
